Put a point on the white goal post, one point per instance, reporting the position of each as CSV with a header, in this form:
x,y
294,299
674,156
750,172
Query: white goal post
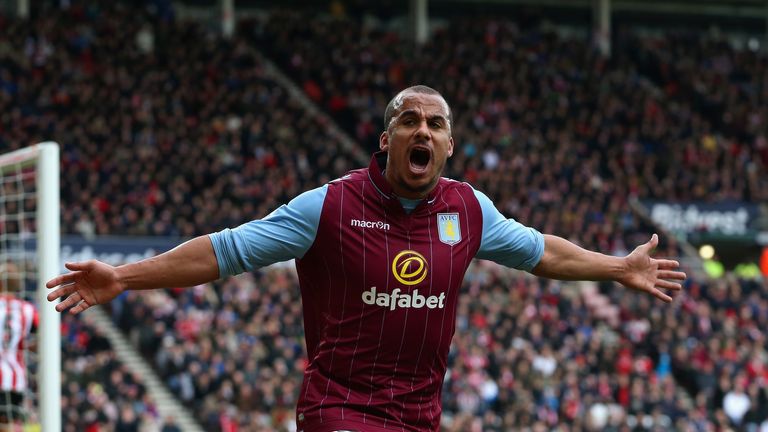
x,y
40,161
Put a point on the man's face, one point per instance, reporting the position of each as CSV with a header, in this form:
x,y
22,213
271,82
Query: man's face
x,y
10,277
418,142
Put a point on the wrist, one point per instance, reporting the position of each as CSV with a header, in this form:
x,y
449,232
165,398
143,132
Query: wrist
x,y
620,269
122,276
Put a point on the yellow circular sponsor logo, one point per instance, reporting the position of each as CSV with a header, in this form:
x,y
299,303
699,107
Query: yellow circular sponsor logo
x,y
409,267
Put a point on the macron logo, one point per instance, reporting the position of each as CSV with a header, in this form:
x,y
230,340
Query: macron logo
x,y
369,224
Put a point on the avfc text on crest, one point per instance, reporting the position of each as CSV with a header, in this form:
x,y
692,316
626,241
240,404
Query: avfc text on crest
x,y
448,227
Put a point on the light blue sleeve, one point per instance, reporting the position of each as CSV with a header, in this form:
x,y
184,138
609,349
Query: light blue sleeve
x,y
507,241
284,234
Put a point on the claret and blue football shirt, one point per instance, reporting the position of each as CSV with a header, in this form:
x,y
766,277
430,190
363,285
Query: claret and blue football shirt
x,y
380,279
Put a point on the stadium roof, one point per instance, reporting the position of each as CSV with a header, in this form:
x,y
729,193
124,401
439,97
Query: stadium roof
x,y
731,8
744,16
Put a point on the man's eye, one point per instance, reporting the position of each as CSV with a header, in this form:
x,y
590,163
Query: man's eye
x,y
436,124
409,122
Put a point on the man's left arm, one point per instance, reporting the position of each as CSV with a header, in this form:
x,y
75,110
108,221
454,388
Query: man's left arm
x,y
512,244
638,270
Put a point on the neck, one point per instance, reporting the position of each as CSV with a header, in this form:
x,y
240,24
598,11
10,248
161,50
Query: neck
x,y
403,191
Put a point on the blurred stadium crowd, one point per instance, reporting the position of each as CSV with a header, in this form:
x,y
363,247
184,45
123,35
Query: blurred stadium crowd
x,y
527,352
124,99
167,129
98,393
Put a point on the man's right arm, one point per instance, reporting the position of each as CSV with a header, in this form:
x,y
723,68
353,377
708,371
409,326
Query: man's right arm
x,y
286,233
93,282
191,263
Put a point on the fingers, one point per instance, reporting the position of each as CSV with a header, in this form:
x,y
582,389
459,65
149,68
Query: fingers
x,y
69,302
79,308
667,264
63,279
668,285
69,288
82,265
660,295
77,269
676,275
76,300
662,284
62,291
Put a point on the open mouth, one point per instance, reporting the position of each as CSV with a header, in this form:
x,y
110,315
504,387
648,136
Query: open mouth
x,y
419,159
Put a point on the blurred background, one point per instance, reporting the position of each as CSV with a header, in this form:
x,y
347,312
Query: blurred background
x,y
600,121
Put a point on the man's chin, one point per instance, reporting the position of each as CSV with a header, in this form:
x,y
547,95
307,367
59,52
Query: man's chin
x,y
420,187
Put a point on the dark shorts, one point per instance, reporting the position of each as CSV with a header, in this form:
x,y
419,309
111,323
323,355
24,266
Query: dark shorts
x,y
11,406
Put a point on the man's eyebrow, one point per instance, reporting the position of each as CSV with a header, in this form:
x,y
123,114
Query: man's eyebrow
x,y
409,111
438,117
412,111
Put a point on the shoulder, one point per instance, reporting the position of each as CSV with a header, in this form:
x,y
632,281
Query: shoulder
x,y
345,190
460,196
354,176
451,186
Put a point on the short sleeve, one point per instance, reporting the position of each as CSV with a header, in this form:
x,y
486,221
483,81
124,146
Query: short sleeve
x,y
284,234
506,241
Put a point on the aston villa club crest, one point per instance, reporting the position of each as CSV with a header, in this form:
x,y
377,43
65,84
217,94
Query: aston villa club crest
x,y
448,228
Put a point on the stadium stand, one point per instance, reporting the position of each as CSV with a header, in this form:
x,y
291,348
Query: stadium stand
x,y
527,352
217,141
556,134
236,354
559,137
99,394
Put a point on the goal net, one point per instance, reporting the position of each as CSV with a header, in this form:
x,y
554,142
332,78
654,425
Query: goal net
x,y
30,359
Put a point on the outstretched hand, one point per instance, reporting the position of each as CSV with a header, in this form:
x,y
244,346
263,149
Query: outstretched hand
x,y
87,284
651,275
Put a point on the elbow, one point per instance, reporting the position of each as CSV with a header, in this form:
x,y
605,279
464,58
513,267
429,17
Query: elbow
x,y
544,267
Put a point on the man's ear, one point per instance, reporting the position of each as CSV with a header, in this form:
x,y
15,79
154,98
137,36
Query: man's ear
x,y
384,141
450,147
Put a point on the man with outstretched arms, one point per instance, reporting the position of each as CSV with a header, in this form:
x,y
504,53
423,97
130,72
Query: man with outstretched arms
x,y
380,254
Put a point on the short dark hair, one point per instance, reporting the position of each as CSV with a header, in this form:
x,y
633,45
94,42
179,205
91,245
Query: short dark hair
x,y
390,111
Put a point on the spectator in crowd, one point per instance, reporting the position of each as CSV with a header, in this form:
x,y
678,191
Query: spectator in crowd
x,y
736,403
17,323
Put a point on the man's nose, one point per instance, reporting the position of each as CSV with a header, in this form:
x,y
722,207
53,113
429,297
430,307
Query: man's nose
x,y
423,130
